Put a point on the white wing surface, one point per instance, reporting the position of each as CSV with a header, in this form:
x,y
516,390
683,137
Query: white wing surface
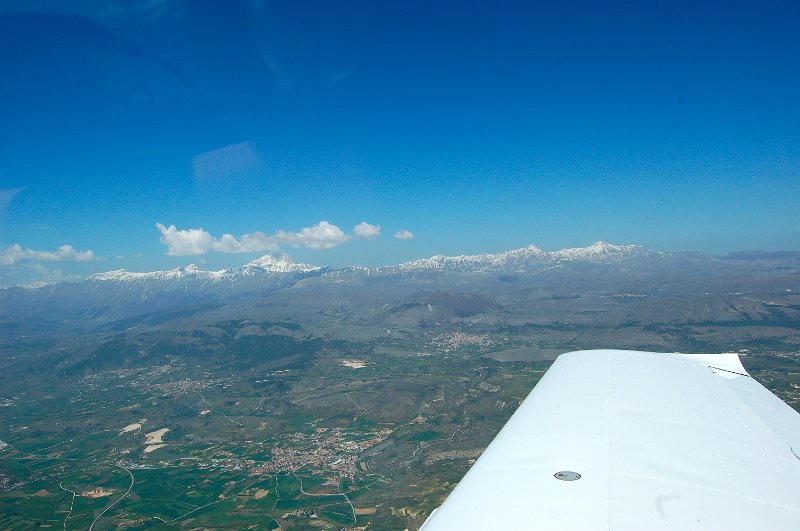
x,y
660,441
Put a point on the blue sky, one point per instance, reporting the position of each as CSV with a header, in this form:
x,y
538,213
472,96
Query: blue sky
x,y
478,127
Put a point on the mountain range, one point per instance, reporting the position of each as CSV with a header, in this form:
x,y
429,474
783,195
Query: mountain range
x,y
281,263
113,295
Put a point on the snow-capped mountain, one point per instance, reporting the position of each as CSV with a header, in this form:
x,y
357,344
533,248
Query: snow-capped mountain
x,y
282,264
526,257
190,271
276,263
509,260
603,252
118,294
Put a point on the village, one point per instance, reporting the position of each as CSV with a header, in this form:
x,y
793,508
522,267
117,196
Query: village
x,y
327,451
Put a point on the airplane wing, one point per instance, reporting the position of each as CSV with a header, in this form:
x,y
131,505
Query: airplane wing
x,y
624,440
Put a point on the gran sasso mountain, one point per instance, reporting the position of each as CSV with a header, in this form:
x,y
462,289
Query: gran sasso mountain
x,y
114,295
119,294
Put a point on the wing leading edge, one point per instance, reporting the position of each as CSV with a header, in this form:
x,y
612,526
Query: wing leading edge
x,y
660,441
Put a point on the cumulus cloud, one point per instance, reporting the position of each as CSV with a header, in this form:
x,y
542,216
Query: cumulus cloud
x,y
248,243
404,234
366,231
323,235
183,242
66,253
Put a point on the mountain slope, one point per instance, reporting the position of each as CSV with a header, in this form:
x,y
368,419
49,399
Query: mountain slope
x,y
522,259
114,295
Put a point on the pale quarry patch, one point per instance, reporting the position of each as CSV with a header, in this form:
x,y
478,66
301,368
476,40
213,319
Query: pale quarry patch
x,y
153,447
154,437
354,364
131,427
470,455
205,412
97,492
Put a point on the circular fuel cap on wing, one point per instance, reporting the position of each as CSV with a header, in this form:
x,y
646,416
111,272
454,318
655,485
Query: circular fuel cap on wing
x,y
567,475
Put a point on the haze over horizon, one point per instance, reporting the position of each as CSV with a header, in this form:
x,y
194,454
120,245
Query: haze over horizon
x,y
150,135
282,261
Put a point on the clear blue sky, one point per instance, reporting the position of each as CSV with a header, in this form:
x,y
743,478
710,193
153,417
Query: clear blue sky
x,y
477,126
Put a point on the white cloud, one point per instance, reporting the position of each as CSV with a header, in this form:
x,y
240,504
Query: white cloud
x,y
66,253
248,243
323,235
366,231
185,242
404,234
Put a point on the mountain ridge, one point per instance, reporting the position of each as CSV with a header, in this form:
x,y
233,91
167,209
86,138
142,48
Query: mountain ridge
x,y
280,263
520,258
120,294
270,263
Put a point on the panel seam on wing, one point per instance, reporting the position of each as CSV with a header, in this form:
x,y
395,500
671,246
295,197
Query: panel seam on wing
x,y
712,368
658,479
